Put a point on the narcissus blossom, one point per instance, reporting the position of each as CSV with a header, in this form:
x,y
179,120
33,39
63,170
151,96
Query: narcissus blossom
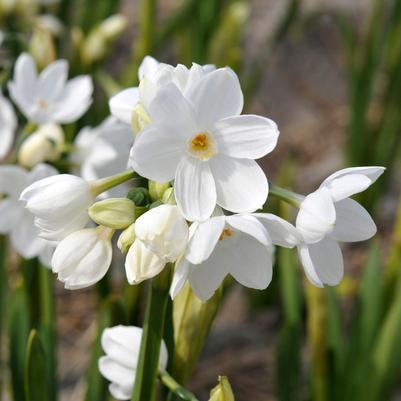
x,y
8,126
204,144
161,237
239,245
17,221
328,216
121,345
83,257
60,205
48,97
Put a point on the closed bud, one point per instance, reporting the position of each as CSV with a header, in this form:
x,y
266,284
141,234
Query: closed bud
x,y
168,197
126,238
223,391
117,213
113,26
46,144
42,47
157,189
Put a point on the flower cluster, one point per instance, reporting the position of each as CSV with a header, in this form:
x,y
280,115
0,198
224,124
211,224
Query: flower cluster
x,y
201,207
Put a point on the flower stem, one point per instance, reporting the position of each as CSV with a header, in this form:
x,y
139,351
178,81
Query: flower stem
x,y
290,197
176,388
153,327
105,184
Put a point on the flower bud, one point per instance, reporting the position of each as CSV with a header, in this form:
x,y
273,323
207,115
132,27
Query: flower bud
x,y
223,391
126,238
168,197
117,213
157,189
46,144
42,47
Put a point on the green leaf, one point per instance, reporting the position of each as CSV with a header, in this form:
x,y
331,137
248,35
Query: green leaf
x,y
36,370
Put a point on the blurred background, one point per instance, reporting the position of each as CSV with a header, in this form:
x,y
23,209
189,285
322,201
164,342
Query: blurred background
x,y
329,73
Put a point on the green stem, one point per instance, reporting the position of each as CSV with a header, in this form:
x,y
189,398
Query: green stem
x,y
284,194
153,327
176,388
107,183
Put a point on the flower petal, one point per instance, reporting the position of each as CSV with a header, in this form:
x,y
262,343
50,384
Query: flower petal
x,y
250,225
182,269
123,103
216,96
11,212
246,136
13,179
52,80
353,222
148,67
316,216
322,262
241,184
195,190
281,231
8,126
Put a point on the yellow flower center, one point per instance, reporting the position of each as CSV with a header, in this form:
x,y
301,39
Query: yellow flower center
x,y
42,104
202,146
227,232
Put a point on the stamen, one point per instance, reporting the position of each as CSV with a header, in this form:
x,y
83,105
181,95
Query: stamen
x,y
202,146
227,232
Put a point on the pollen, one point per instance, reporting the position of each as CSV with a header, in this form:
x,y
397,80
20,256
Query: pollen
x,y
227,232
42,104
202,146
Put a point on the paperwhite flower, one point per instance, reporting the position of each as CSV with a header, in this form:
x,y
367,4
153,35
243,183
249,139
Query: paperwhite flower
x,y
161,237
239,245
60,205
83,257
49,97
203,143
103,151
8,126
152,76
121,345
328,216
15,219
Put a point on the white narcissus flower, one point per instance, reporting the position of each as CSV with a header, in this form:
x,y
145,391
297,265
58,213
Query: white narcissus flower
x,y
103,151
8,126
328,216
161,237
60,205
152,76
239,245
121,345
17,221
203,142
49,97
83,257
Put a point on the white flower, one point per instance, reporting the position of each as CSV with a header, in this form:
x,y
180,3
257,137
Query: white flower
x,y
203,143
83,257
152,76
8,126
161,237
122,345
60,205
328,216
15,219
45,144
240,245
48,97
103,151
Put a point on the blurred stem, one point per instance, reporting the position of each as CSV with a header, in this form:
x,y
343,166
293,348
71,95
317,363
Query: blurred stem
x,y
181,392
317,323
284,194
104,184
152,336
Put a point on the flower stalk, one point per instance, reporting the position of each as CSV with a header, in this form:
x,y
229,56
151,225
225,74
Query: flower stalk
x,y
181,392
104,184
285,195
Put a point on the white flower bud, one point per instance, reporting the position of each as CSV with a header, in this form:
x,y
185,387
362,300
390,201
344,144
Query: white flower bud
x,y
42,47
45,144
83,258
117,213
60,205
223,391
126,238
157,189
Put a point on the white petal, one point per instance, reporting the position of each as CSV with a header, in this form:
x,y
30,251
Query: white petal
x,y
246,136
13,179
116,372
141,263
204,239
241,184
52,80
281,231
350,181
11,212
148,67
316,216
251,226
41,171
194,188
216,96
322,262
121,392
353,222
123,103
180,277
8,125
156,153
